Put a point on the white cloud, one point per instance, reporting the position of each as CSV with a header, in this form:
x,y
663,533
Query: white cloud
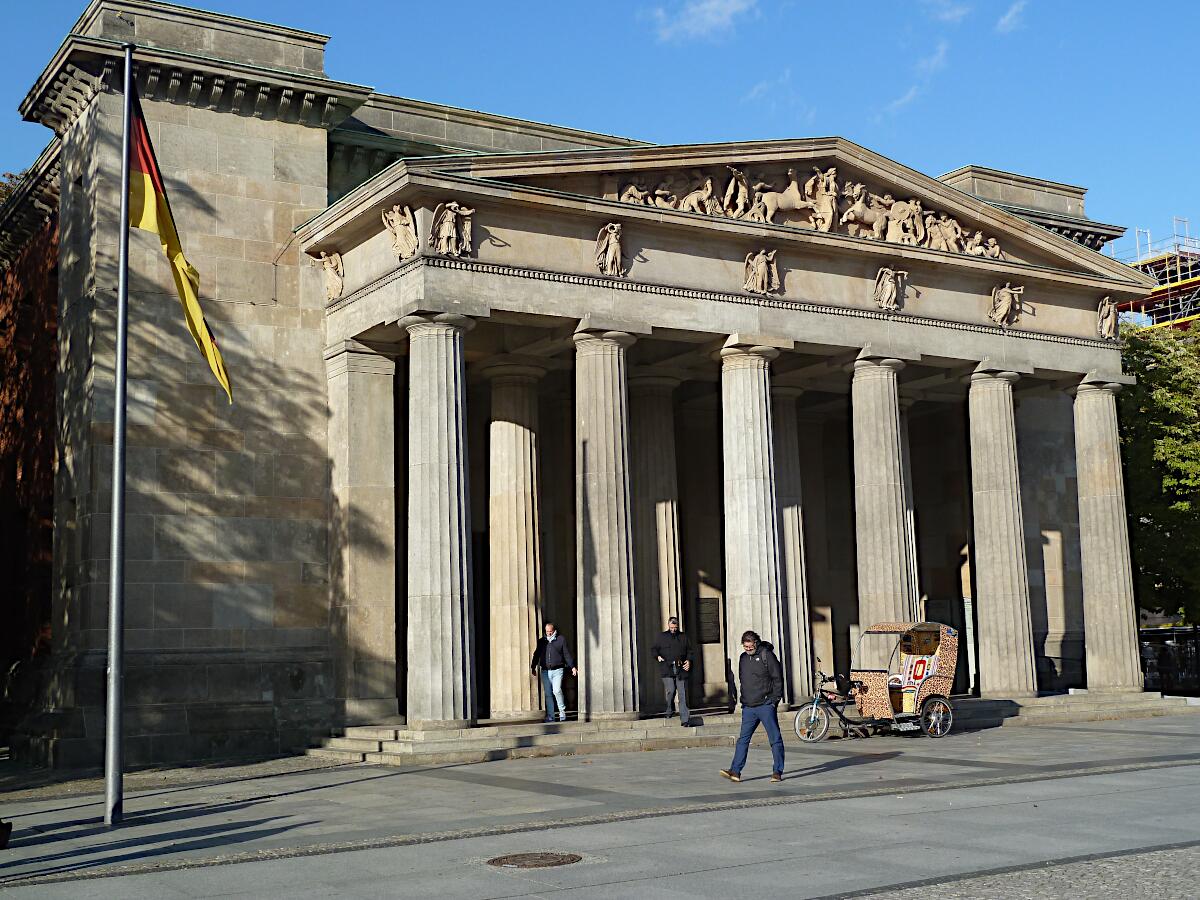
x,y
904,99
926,67
946,10
779,97
699,18
935,62
1011,20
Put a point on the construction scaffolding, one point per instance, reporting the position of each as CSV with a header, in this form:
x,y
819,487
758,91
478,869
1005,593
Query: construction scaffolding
x,y
1174,263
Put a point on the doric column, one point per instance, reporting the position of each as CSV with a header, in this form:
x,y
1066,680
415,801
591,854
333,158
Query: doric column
x,y
441,675
362,440
1109,609
514,538
1006,661
607,628
655,496
880,517
917,614
752,588
794,580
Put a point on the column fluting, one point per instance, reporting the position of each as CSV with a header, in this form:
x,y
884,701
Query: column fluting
x,y
441,676
655,498
514,537
606,619
785,426
1109,606
880,514
752,584
1005,633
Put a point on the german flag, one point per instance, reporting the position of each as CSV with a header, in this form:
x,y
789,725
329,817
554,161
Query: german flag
x,y
150,210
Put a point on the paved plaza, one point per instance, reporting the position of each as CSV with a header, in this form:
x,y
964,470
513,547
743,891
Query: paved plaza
x,y
851,817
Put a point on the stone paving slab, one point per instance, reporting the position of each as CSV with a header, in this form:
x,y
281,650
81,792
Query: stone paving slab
x,y
850,847
284,810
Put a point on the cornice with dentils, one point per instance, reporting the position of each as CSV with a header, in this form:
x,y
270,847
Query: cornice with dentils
x,y
82,66
33,202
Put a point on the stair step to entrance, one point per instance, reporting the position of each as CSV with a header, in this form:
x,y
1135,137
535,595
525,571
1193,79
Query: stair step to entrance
x,y
359,745
345,756
398,746
370,732
1103,713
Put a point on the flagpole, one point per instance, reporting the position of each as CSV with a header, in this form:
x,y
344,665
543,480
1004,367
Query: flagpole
x,y
114,750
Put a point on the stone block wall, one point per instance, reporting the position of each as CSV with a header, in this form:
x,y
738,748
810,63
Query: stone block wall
x,y
227,506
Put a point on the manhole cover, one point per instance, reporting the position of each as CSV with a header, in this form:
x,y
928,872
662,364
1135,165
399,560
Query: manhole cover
x,y
534,860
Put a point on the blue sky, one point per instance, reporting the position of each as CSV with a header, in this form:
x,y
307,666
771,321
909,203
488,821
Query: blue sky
x,y
1069,90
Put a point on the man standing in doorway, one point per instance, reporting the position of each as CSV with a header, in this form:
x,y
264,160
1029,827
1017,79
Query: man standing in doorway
x,y
553,656
761,680
674,653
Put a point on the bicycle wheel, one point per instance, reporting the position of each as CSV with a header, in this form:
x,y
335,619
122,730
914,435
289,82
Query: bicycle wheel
x,y
812,722
936,717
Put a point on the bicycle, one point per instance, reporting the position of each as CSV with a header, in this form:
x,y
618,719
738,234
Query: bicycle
x,y
813,718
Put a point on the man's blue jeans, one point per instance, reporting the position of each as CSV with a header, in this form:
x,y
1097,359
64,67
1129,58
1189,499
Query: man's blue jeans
x,y
751,717
552,689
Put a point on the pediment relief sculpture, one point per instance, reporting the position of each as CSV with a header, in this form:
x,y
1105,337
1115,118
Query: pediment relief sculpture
x,y
608,251
890,287
335,273
402,226
762,275
819,203
451,231
1007,305
1107,320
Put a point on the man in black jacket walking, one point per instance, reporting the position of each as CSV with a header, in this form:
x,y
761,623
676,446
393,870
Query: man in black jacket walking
x,y
674,653
761,680
553,656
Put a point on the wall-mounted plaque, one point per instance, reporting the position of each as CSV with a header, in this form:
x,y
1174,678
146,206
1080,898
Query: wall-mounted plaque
x,y
708,620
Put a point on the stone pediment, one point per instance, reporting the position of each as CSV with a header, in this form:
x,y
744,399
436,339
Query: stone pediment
x,y
827,186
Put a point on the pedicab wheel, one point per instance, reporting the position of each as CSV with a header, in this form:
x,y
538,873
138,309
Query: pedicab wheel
x,y
812,723
937,716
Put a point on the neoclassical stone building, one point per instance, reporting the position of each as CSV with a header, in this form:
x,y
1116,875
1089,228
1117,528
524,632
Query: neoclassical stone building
x,y
490,373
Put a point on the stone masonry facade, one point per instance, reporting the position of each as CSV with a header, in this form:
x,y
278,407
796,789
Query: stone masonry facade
x,y
430,455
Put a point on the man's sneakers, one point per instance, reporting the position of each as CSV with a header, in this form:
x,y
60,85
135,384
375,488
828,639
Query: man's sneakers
x,y
735,777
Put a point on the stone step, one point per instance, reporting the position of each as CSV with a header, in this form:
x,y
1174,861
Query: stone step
x,y
390,745
359,745
370,732
1097,697
566,739
345,756
1100,713
439,755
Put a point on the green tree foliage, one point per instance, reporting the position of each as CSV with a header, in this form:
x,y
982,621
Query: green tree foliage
x,y
8,183
1160,441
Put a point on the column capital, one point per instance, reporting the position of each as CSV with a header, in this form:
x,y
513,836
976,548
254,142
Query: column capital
x,y
598,339
868,364
418,322
741,356
990,376
506,371
1088,387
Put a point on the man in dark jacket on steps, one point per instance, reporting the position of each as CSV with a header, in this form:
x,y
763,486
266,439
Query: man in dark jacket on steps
x,y
761,679
674,653
553,656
